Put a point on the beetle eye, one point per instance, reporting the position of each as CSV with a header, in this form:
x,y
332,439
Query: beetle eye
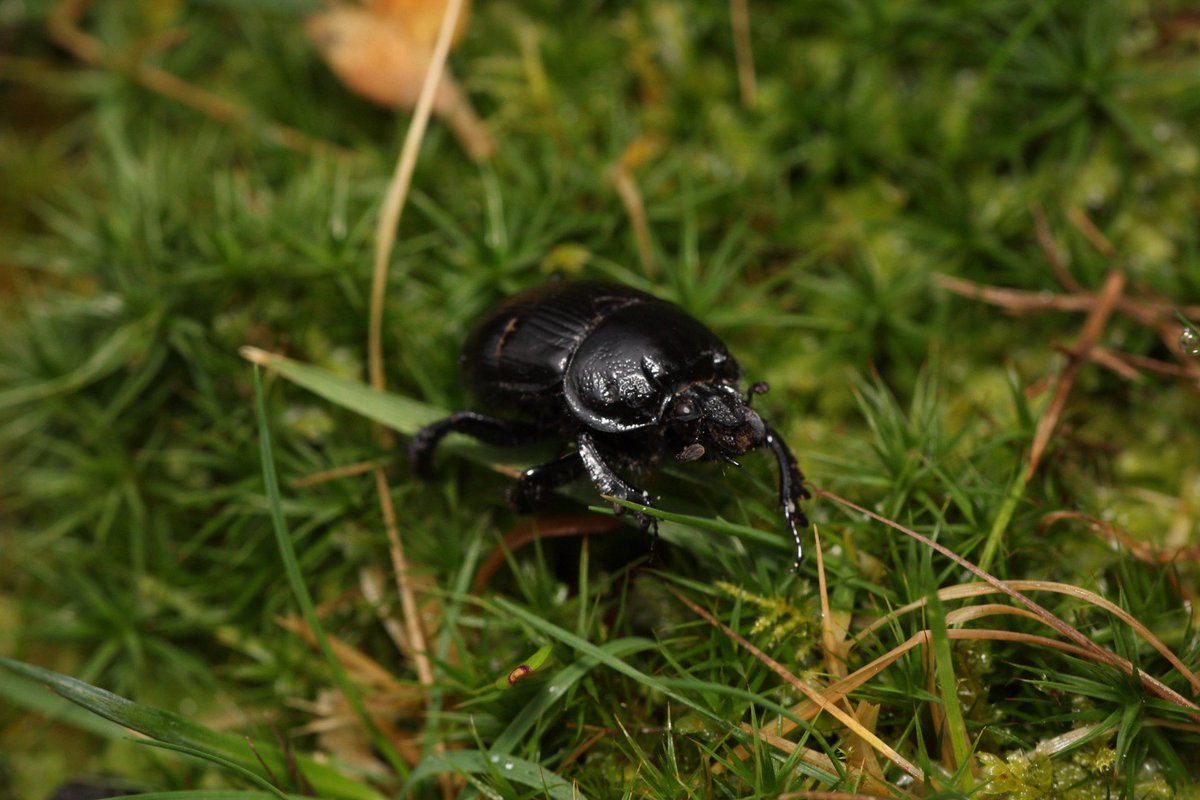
x,y
685,410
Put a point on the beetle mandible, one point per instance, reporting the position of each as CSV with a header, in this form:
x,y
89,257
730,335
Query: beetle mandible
x,y
627,376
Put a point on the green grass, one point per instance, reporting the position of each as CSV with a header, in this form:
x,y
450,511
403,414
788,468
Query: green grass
x,y
152,530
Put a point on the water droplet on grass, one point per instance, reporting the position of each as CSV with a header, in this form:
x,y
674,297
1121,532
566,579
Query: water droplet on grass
x,y
1189,342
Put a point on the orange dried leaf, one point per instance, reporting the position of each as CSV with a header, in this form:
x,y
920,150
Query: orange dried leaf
x,y
374,57
382,52
419,20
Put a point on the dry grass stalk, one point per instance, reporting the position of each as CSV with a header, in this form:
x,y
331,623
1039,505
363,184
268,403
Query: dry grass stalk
x,y
743,52
414,631
967,590
833,643
336,473
372,583
385,239
620,175
1093,326
821,761
1081,641
853,725
359,666
807,710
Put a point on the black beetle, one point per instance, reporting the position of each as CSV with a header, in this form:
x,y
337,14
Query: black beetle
x,y
631,378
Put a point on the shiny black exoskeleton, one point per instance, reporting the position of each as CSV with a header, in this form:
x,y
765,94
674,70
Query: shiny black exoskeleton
x,y
630,378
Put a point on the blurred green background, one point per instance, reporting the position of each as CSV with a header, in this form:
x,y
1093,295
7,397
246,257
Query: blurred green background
x,y
888,143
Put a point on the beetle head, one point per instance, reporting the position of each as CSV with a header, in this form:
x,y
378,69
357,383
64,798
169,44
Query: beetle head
x,y
720,422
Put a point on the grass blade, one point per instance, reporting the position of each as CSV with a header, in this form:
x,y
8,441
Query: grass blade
x,y
954,725
308,609
509,768
396,412
556,689
172,729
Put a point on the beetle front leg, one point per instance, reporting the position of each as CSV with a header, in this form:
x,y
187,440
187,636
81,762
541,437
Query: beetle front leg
x,y
791,488
489,430
610,483
530,490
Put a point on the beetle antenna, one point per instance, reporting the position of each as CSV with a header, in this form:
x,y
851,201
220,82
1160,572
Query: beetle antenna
x,y
791,490
762,387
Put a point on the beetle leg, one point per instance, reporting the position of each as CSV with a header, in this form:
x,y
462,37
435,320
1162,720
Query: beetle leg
x,y
489,430
791,488
610,483
530,490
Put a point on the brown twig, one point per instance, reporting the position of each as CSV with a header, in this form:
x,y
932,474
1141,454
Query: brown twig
x,y
1140,550
1084,225
1151,312
1045,238
1016,301
419,651
1093,326
1148,311
1185,370
1111,361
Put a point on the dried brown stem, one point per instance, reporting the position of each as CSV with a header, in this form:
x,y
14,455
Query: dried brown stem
x,y
1084,225
419,651
1140,550
1045,238
1016,301
620,175
344,471
835,649
853,725
1148,311
969,590
385,238
743,52
1093,326
1086,645
1113,361
397,192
